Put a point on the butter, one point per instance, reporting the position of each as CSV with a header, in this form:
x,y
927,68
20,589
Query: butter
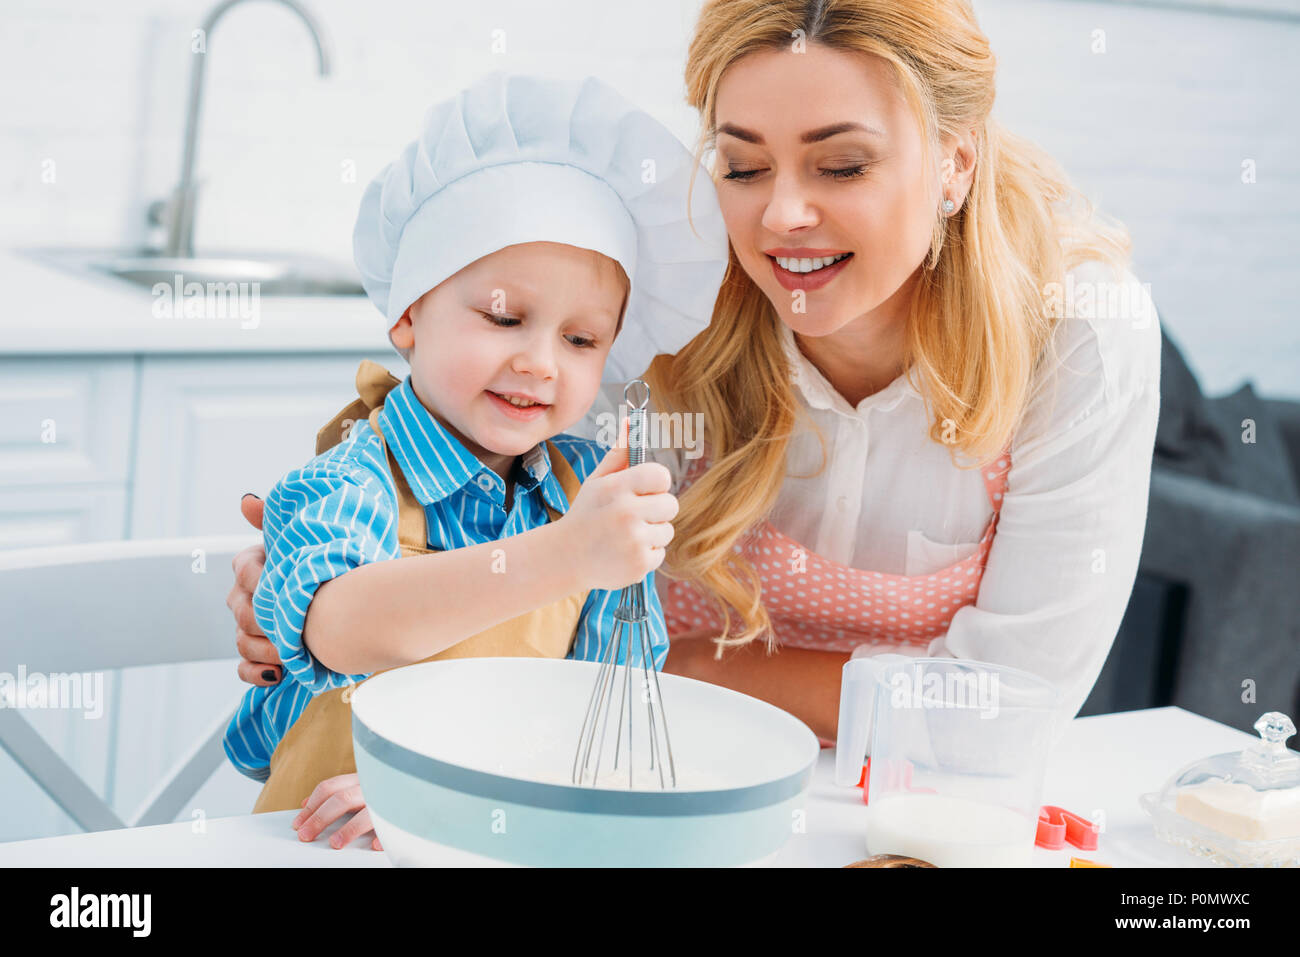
x,y
1239,811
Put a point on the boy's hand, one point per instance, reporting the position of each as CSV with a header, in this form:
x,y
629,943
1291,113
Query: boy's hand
x,y
260,658
620,521
333,798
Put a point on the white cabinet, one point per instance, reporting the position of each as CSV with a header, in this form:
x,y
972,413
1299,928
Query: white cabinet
x,y
37,517
211,429
66,428
65,420
96,448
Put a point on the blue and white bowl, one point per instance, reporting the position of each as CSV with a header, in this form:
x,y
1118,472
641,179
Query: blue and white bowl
x,y
468,761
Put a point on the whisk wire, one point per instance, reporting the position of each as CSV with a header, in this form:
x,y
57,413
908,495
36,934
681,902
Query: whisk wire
x,y
631,638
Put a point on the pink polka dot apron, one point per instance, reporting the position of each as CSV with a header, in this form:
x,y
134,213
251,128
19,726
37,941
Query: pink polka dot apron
x,y
827,606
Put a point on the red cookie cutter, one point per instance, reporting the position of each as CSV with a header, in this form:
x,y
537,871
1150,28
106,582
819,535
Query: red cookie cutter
x,y
1058,827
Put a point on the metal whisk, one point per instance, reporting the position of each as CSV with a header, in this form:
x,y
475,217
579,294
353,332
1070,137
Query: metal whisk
x,y
631,631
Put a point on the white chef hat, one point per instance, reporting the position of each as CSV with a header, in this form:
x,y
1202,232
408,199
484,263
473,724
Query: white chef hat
x,y
517,159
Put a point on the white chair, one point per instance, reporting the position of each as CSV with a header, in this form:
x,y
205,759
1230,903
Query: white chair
x,y
101,606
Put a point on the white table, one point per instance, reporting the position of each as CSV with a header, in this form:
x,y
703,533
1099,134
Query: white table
x,y
1100,767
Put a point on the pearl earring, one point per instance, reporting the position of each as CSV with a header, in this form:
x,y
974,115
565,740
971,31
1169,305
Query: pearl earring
x,y
948,205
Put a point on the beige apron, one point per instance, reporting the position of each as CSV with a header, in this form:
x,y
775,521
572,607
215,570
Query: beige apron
x,y
319,744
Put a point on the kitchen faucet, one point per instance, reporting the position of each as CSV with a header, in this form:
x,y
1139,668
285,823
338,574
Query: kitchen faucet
x,y
180,209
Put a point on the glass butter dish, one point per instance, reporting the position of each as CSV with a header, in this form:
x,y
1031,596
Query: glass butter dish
x,y
1240,809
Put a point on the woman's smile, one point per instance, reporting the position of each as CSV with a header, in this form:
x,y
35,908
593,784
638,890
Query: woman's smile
x,y
807,268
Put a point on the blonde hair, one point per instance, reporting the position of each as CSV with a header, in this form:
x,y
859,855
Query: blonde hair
x,y
979,325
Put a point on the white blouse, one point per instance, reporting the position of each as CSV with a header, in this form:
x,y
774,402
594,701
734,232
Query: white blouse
x,y
1065,555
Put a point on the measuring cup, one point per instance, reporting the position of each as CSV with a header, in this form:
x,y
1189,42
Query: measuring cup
x,y
958,753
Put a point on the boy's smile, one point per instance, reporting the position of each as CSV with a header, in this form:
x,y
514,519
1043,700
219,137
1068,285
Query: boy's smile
x,y
519,407
509,351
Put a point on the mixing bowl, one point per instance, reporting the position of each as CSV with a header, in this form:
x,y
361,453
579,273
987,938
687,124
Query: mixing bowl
x,y
469,759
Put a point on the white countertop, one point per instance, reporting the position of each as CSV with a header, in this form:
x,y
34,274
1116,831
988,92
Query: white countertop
x,y
51,311
1102,764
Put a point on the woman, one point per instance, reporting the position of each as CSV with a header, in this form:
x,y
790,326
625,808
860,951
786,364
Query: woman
x,y
920,297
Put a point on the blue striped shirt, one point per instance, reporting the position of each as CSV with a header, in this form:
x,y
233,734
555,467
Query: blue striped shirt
x,y
340,510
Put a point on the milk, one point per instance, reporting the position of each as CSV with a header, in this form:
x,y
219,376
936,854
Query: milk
x,y
950,831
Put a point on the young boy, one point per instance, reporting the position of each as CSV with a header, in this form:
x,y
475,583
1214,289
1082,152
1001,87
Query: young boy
x,y
508,247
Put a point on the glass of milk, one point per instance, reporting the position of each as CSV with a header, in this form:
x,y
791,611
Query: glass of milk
x,y
958,753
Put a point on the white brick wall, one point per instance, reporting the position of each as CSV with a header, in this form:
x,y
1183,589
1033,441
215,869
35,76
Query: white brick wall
x,y
1156,128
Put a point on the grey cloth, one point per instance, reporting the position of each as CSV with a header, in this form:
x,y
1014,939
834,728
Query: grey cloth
x,y
1209,438
1224,519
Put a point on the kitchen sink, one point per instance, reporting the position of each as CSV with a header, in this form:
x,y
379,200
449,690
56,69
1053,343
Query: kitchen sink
x,y
176,265
274,273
